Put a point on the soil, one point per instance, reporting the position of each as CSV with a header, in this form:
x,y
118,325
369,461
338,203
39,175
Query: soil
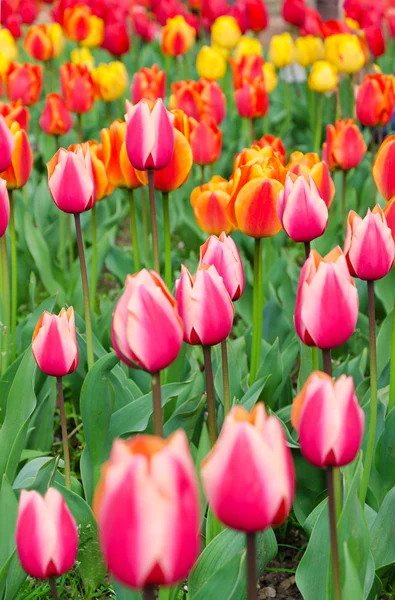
x,y
281,584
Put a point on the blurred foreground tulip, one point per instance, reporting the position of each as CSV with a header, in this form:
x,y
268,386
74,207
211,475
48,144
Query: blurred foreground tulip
x,y
8,45
178,37
77,22
210,206
7,145
147,495
116,36
54,343
149,83
4,207
323,77
110,80
210,63
247,46
70,180
24,82
44,42
294,12
18,172
383,168
77,87
222,253
344,147
225,32
375,100
55,118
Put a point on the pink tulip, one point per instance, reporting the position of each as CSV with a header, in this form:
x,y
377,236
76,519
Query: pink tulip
x,y
222,253
369,247
146,327
46,534
70,179
7,143
205,306
150,135
4,207
54,343
147,507
301,210
326,310
329,420
248,477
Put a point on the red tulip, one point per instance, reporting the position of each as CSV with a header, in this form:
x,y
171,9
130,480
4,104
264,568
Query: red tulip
x,y
246,68
326,309
78,89
70,179
391,21
375,100
46,534
222,253
329,420
54,344
55,118
344,147
257,15
116,37
199,99
15,111
204,306
294,11
252,100
375,39
143,26
7,145
149,84
24,82
4,207
206,142
312,24
248,476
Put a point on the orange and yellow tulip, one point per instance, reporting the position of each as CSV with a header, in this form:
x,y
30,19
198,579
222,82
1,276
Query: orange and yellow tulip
x,y
120,172
24,82
255,207
21,165
210,206
344,147
177,36
311,164
44,42
15,111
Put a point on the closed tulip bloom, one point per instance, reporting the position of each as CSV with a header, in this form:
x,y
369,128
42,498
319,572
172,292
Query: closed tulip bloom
x,y
177,37
326,309
150,135
344,51
374,36
15,111
222,253
308,49
329,420
251,448
251,99
95,36
46,534
7,144
77,22
149,83
44,42
8,44
210,203
301,210
294,12
323,77
78,89
55,118
275,143
116,36
24,82
311,164
369,247
247,68
149,491
247,46
54,343
70,179
211,63
225,32
281,50
255,207
82,56
257,15
383,168
344,147
270,77
146,327
204,306
110,80
199,99
4,207
375,100
206,142
18,172
120,172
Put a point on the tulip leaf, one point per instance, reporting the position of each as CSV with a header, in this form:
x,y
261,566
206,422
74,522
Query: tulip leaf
x,y
382,532
253,394
384,343
385,457
186,416
11,572
123,593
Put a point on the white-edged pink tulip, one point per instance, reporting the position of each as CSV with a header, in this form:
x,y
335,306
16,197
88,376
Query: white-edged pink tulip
x,y
7,143
222,253
54,343
4,207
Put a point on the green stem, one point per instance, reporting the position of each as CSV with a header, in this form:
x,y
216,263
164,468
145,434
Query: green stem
x,y
54,591
133,231
251,566
6,303
307,249
167,236
157,405
65,439
314,358
225,376
145,222
318,124
208,369
344,202
391,401
202,175
94,255
62,241
154,225
50,76
288,105
14,276
351,82
257,311
373,394
71,244
85,290
337,592
80,129
252,131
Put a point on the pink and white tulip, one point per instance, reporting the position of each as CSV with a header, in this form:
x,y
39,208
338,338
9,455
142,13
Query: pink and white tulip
x,y
147,508
329,420
4,207
369,247
54,343
71,181
326,309
301,210
7,143
46,534
222,253
146,327
248,477
150,136
205,306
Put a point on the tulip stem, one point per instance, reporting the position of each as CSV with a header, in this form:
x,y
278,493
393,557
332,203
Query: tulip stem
x,y
208,369
54,591
145,223
14,276
65,439
391,402
252,131
94,255
257,311
327,359
71,245
85,290
288,105
6,303
149,592
307,249
318,124
80,130
133,231
166,227
225,376
314,358
62,241
157,404
251,566
202,175
373,394
154,225
344,194
337,592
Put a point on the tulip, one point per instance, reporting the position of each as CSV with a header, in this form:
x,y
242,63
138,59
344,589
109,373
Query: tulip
x,y
143,26
18,172
366,234
344,51
77,87
116,36
301,210
375,38
270,77
326,309
6,316
8,45
24,82
206,142
46,534
199,99
210,63
251,99
70,180
375,100
15,111
294,12
383,168
344,147
323,77
119,170
247,46
139,510
103,186
82,56
276,144
54,344
55,118
77,22
255,208
44,42
95,36
225,32
330,423
222,253
7,145
110,80
210,206
149,83
257,15
281,50
177,37
308,49
4,208
247,68
311,164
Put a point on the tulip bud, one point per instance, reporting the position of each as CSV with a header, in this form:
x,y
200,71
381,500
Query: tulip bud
x,y
110,80
247,46
369,247
225,32
77,22
46,534
329,420
255,207
281,50
308,50
21,165
119,170
7,141
222,253
77,87
149,135
247,68
199,99
147,508
54,343
293,12
206,142
383,168
44,42
210,63
344,147
301,210
257,15
251,448
204,306
4,207
375,38
24,82
210,204
323,77
116,36
375,100
344,51
252,101
326,310
55,118
149,84
311,164
177,36
146,327
70,179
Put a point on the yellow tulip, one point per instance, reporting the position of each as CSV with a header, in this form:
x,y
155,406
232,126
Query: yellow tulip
x,y
352,24
281,50
225,32
344,51
82,56
8,45
96,34
111,80
210,63
55,33
308,49
270,77
247,46
4,64
323,77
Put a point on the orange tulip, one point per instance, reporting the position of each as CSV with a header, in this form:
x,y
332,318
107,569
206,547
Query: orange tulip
x,y
210,203
77,22
149,83
206,142
247,68
120,172
177,36
44,42
24,82
383,168
252,100
311,164
55,118
344,147
21,165
255,208
77,86
199,99
276,144
15,111
375,100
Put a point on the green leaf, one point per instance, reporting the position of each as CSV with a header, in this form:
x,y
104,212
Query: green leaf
x,y
382,532
123,593
186,416
253,394
384,339
271,365
14,576
385,456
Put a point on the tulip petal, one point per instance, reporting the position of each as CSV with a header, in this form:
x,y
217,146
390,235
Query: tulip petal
x,y
164,137
70,185
140,135
54,347
65,550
